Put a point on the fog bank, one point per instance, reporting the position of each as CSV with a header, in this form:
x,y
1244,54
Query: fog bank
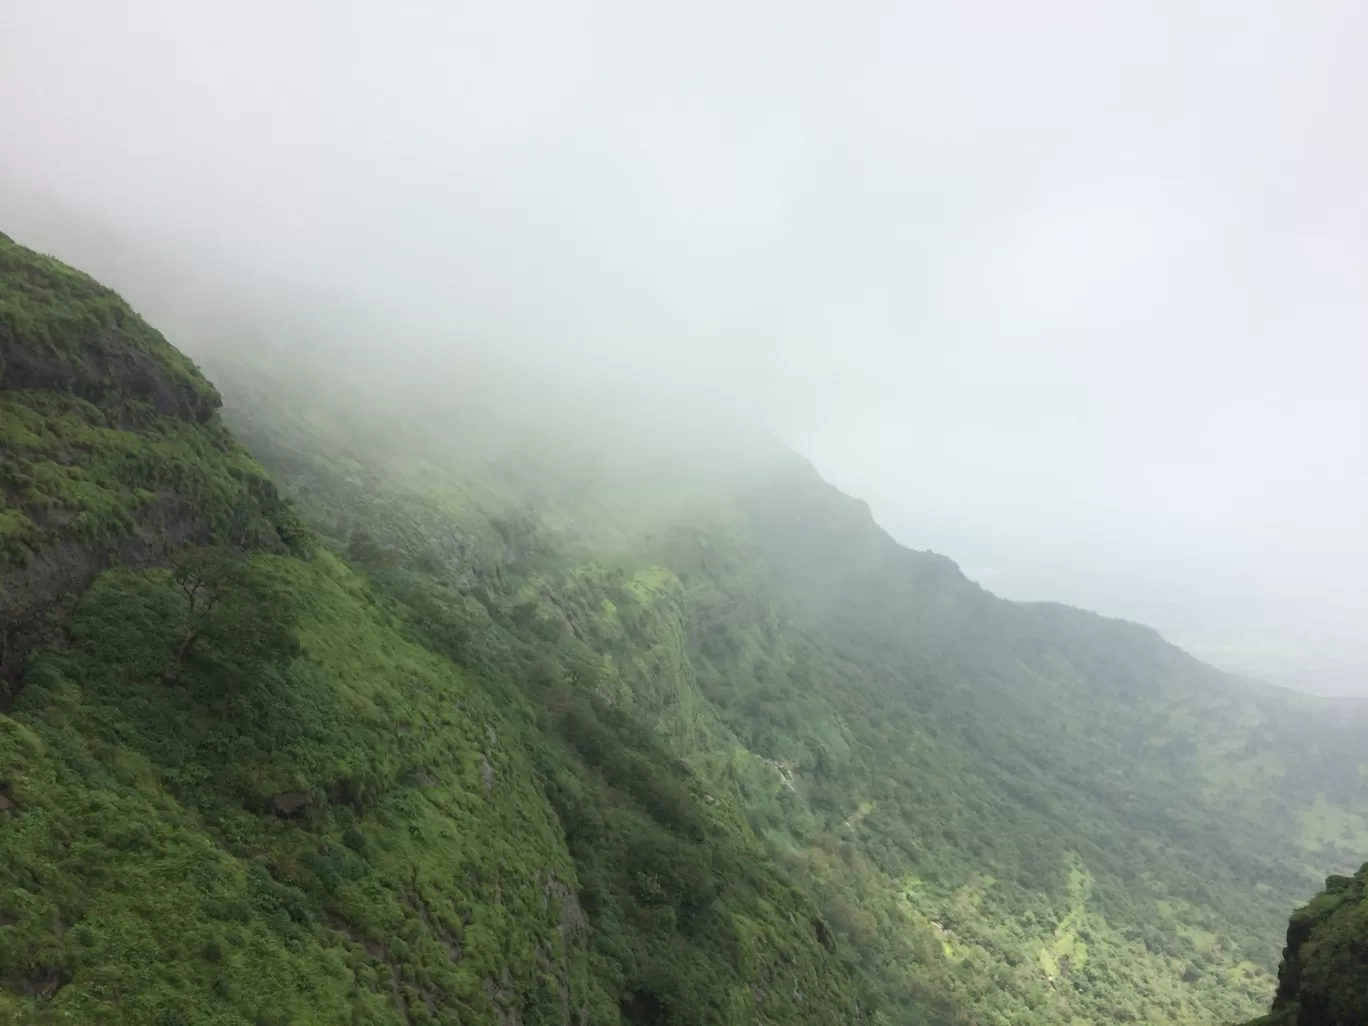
x,y
1070,292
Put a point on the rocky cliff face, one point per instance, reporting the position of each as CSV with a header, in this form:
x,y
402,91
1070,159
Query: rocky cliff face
x,y
1323,979
110,450
62,331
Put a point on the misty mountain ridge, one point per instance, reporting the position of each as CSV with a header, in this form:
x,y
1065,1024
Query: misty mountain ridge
x,y
519,702
177,282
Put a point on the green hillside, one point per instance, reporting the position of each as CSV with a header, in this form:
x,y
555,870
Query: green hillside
x,y
533,704
1033,810
322,811
1323,979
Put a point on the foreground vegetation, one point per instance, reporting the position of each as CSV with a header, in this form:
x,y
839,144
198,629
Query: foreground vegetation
x,y
524,727
1323,979
247,785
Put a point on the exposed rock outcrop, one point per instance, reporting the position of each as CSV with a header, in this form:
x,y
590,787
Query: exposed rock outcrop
x,y
1323,978
61,331
105,366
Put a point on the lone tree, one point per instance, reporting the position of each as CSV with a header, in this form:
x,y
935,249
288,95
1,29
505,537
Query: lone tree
x,y
199,574
235,610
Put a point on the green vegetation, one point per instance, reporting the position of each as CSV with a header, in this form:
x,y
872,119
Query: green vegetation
x,y
1025,811
242,784
110,449
527,728
361,832
1323,979
74,472
63,331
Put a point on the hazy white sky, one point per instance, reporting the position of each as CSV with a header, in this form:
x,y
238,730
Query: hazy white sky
x,y
1073,292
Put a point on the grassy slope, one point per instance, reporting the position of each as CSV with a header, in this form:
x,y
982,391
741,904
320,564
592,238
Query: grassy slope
x,y
1030,811
84,457
396,818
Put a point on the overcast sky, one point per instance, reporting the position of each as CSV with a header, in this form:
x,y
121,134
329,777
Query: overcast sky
x,y
1074,292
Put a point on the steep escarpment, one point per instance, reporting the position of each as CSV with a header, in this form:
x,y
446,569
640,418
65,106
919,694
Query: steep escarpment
x,y
111,452
243,783
1323,978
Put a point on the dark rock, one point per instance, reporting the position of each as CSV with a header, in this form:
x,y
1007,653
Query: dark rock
x,y
290,803
572,918
46,981
347,792
452,943
34,590
823,934
107,363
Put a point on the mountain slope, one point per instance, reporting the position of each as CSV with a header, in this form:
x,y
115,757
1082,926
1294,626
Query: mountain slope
x,y
588,712
1033,810
240,784
111,452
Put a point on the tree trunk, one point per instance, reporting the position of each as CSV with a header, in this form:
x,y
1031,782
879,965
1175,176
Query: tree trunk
x,y
186,644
